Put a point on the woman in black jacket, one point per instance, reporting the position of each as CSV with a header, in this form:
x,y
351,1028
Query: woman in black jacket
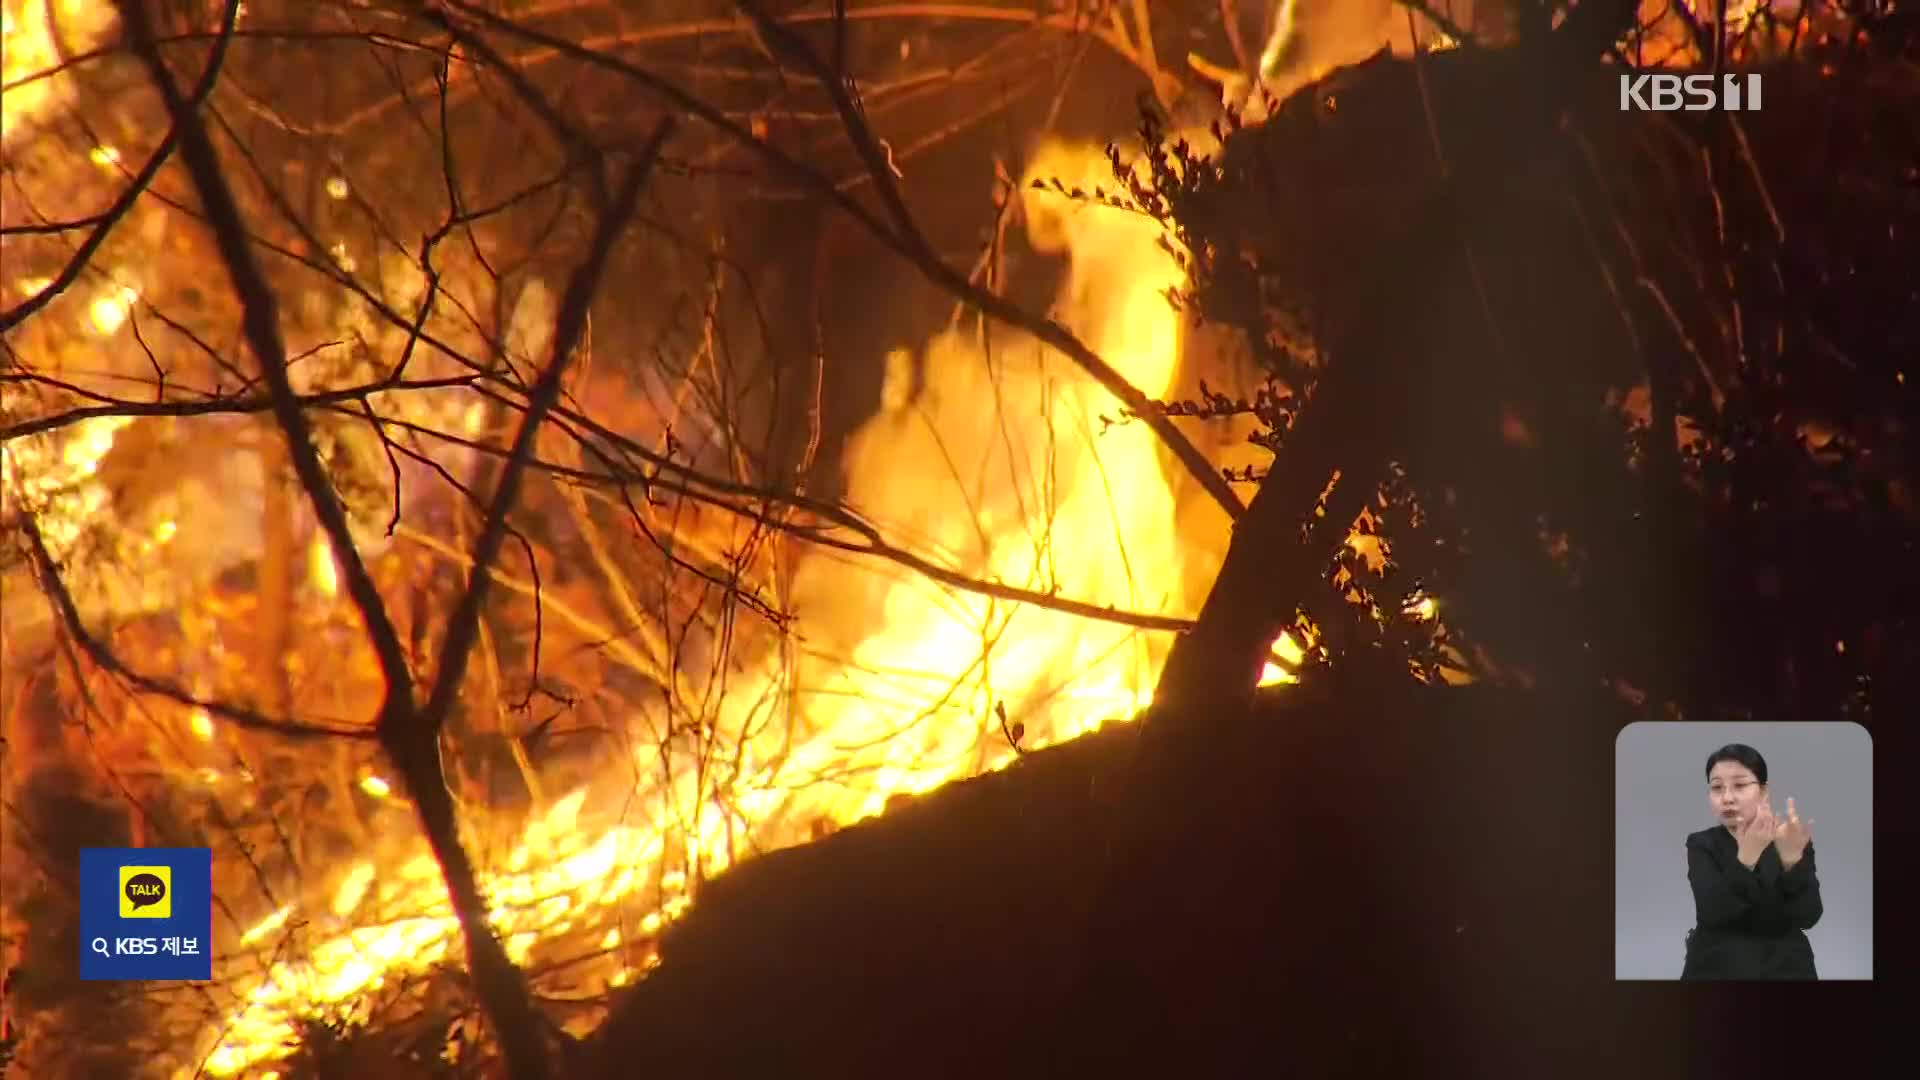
x,y
1755,893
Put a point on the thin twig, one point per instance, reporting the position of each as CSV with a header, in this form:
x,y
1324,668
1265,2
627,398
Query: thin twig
x,y
541,399
1686,340
211,406
62,599
1143,31
103,223
261,325
909,151
580,148
1479,282
618,648
1759,181
500,984
792,48
921,255
673,477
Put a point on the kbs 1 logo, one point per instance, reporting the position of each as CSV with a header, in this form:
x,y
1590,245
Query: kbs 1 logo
x,y
1689,93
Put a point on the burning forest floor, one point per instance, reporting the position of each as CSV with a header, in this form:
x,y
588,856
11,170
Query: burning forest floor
x,y
651,752
1361,879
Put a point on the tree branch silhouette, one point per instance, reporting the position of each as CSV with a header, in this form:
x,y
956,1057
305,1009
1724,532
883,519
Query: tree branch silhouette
x,y
903,243
104,222
57,593
409,734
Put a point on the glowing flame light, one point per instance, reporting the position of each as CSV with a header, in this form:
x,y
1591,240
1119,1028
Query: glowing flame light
x,y
28,49
1066,506
1290,656
1001,466
109,312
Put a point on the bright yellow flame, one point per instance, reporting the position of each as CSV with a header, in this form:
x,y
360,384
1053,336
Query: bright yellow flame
x,y
28,48
375,786
259,931
202,725
1057,504
1001,467
109,312
83,452
1272,674
1290,656
1289,650
354,889
322,570
105,156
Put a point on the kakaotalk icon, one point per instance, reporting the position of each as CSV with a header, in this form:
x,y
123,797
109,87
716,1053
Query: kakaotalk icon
x,y
143,892
146,913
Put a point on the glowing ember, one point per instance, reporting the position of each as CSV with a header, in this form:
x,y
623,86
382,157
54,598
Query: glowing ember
x,y
1290,656
109,312
322,570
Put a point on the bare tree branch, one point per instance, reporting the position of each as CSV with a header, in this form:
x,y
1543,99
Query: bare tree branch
x,y
790,47
261,324
61,598
413,744
541,400
927,262
580,148
104,222
211,406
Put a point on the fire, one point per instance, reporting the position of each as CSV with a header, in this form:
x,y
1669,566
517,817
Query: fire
x,y
1290,656
992,456
109,312
999,464
30,53
412,929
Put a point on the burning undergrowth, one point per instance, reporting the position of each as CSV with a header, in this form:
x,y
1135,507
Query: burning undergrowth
x,y
687,661
640,714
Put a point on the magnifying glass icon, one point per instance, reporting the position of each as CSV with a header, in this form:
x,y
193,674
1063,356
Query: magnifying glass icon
x,y
100,946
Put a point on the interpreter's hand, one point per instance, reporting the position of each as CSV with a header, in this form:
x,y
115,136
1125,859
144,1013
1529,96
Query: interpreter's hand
x,y
1791,836
1756,835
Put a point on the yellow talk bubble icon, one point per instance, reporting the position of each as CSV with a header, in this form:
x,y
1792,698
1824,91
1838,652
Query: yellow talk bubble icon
x,y
146,892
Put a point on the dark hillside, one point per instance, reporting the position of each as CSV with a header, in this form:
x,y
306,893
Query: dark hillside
x,y
1399,883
